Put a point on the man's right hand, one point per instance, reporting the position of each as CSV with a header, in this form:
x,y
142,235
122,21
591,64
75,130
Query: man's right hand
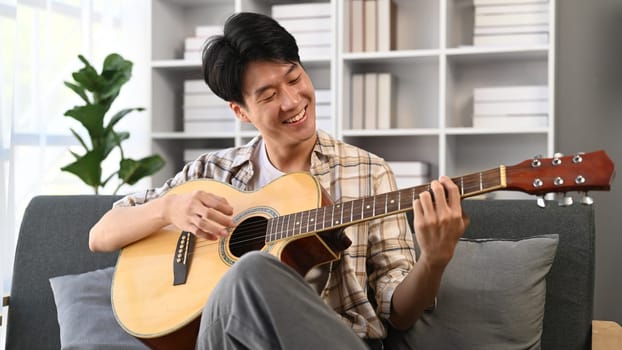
x,y
204,214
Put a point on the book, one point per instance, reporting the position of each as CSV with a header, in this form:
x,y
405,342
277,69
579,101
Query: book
x,y
311,24
386,102
415,168
322,110
323,96
370,120
324,123
510,122
301,10
371,25
206,31
511,8
315,38
511,93
314,51
512,19
208,113
511,39
203,100
357,102
196,86
477,3
193,55
202,126
511,107
357,26
385,11
537,28
194,43
407,181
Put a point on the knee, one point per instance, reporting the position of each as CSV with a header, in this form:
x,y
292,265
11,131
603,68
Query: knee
x,y
253,264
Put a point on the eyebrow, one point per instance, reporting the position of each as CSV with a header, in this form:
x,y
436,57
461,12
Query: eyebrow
x,y
261,89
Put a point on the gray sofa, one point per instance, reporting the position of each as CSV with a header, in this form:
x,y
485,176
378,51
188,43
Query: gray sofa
x,y
53,241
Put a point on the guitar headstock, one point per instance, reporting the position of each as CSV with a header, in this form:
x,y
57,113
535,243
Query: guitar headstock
x,y
581,172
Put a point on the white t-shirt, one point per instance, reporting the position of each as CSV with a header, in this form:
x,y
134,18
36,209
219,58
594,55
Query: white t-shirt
x,y
264,173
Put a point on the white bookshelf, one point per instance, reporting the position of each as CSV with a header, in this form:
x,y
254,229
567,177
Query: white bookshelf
x,y
434,61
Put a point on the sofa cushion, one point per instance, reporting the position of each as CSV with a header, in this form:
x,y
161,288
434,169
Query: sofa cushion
x,y
492,296
85,313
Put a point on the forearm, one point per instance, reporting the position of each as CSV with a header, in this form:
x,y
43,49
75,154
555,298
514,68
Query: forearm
x,y
415,294
121,226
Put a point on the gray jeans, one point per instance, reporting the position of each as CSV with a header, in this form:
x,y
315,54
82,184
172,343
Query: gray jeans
x,y
261,303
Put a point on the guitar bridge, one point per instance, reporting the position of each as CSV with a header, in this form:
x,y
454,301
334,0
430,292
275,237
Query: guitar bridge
x,y
181,257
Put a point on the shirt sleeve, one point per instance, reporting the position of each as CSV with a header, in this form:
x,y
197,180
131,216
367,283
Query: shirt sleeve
x,y
391,249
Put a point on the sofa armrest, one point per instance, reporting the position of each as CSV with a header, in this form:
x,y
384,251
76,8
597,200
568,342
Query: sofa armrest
x,y
606,335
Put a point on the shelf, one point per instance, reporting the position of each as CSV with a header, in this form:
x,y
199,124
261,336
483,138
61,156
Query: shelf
x,y
432,60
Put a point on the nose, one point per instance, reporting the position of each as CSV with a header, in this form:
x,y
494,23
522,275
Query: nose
x,y
290,98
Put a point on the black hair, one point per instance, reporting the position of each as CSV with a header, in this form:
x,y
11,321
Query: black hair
x,y
247,37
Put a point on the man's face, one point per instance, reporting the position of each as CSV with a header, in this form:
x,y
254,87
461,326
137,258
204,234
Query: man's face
x,y
280,102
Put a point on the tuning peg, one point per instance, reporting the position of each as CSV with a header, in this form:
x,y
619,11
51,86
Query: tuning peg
x,y
565,201
586,199
541,202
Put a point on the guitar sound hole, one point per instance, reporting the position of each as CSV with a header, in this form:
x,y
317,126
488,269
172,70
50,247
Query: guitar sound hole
x,y
248,236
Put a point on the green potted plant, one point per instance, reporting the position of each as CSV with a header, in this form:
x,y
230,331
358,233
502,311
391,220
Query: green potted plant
x,y
98,91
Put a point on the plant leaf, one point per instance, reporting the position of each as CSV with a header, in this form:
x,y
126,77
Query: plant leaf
x,y
116,72
131,171
120,114
78,90
111,140
91,117
79,139
87,168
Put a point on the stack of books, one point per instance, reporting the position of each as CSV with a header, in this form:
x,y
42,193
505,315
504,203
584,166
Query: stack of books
x,y
204,111
511,22
373,101
193,45
371,25
323,114
510,107
410,173
311,26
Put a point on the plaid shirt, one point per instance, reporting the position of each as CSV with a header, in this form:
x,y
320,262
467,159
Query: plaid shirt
x,y
381,254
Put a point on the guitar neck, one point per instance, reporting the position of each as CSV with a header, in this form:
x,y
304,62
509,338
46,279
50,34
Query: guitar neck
x,y
368,208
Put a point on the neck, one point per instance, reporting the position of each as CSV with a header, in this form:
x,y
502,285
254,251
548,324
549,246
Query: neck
x,y
291,158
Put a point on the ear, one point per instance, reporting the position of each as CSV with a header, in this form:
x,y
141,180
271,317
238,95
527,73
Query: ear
x,y
240,112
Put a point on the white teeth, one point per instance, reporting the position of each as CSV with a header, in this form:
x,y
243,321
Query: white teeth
x,y
296,118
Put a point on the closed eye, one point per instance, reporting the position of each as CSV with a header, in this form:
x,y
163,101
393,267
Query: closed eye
x,y
295,80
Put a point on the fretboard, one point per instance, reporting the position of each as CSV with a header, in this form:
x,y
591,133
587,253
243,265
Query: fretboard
x,y
351,212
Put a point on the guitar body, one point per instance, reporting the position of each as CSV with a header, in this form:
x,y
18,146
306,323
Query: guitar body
x,y
150,307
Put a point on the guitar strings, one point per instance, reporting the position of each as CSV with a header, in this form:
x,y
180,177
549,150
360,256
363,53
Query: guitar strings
x,y
255,232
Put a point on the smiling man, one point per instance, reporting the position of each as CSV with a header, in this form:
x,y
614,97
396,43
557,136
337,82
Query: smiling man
x,y
261,303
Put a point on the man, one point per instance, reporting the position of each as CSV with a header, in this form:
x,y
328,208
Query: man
x,y
261,303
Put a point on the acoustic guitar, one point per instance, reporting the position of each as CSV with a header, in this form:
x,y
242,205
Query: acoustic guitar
x,y
163,281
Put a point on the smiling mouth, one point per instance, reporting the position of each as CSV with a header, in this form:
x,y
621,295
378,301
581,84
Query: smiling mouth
x,y
298,117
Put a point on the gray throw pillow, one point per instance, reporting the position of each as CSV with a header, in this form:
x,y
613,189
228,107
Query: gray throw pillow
x,y
85,313
492,296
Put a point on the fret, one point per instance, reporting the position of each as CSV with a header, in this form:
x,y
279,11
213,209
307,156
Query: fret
x,y
323,217
462,186
481,185
269,233
305,219
315,220
297,222
282,229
